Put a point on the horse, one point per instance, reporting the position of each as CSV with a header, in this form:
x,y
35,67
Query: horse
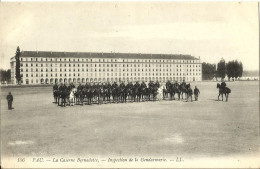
x,y
165,91
184,89
146,94
107,95
64,96
89,95
98,94
79,97
223,90
124,94
154,92
115,94
160,93
72,97
56,95
176,90
189,94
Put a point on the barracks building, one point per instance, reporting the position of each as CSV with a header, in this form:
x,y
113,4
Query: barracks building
x,y
41,67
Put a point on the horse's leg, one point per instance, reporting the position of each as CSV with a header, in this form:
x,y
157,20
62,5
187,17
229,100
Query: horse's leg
x,y
227,97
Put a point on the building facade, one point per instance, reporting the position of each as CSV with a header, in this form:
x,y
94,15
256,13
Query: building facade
x,y
38,67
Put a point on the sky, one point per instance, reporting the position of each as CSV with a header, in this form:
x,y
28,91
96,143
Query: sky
x,y
209,30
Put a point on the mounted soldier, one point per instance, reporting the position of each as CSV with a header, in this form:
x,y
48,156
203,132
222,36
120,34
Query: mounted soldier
x,y
137,85
122,85
55,87
72,85
168,84
61,88
80,87
176,84
183,83
157,84
151,84
115,85
143,85
223,84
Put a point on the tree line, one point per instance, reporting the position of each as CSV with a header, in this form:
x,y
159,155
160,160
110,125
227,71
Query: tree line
x,y
232,69
5,75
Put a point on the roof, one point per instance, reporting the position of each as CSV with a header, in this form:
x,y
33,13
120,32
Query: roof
x,y
106,55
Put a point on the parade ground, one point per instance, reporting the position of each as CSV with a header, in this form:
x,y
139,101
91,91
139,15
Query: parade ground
x,y
37,126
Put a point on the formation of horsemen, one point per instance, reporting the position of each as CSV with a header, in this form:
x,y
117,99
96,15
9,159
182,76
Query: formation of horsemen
x,y
121,93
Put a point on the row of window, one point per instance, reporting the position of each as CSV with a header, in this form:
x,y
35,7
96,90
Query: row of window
x,y
100,70
104,65
83,80
107,60
115,74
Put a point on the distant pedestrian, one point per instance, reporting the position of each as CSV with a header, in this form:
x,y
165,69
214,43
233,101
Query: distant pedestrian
x,y
9,100
196,93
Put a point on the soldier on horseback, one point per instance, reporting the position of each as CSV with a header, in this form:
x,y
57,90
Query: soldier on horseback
x,y
122,85
157,84
80,87
176,84
151,84
137,85
183,83
114,85
223,84
109,85
168,84
55,87
143,85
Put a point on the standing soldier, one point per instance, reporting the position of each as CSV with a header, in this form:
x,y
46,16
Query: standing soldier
x,y
196,93
9,100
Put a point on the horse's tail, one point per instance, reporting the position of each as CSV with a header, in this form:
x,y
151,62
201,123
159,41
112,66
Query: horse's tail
x,y
228,90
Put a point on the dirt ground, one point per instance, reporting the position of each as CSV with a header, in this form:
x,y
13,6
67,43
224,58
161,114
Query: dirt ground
x,y
36,126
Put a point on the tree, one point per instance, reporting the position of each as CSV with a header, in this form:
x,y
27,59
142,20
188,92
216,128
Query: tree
x,y
17,68
234,69
208,71
5,75
221,70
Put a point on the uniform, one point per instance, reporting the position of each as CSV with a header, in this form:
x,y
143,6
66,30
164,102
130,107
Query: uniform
x,y
9,99
55,87
143,85
223,85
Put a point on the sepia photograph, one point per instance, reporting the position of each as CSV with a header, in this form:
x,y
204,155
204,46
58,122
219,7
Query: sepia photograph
x,y
129,84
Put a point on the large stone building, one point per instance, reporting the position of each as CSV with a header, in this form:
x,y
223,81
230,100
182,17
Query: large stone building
x,y
39,67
